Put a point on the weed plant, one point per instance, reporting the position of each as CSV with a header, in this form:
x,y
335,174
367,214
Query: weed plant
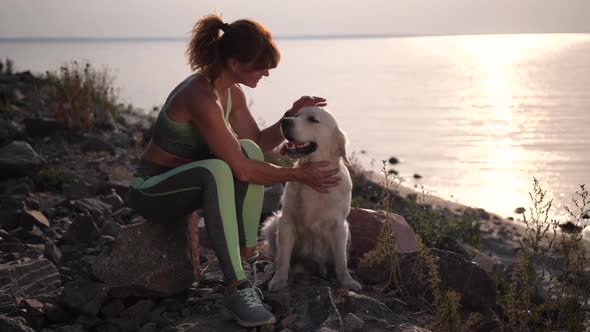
x,y
81,97
549,287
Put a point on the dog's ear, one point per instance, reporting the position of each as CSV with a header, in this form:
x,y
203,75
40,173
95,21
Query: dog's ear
x,y
339,147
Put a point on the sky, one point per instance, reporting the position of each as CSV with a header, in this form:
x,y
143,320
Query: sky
x,y
175,18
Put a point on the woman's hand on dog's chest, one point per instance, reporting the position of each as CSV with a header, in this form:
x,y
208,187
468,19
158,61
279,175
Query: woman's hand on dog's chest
x,y
319,175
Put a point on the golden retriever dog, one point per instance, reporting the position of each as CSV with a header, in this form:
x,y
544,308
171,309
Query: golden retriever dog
x,y
312,227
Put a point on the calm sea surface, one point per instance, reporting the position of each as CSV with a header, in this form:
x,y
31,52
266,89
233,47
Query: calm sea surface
x,y
476,116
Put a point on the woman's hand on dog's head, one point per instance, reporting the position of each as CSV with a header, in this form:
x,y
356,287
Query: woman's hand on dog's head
x,y
306,101
316,175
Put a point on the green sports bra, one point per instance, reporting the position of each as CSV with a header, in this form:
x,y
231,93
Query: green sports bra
x,y
183,139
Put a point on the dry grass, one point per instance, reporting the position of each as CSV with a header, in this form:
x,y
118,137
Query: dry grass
x,y
81,97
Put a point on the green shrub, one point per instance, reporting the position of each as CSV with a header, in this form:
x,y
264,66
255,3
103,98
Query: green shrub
x,y
49,178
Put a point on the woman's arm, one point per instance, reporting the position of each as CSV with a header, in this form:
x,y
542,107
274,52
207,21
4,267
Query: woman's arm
x,y
208,118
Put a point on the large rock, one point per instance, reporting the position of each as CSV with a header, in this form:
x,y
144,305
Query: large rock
x,y
9,130
41,126
18,159
84,295
38,279
365,226
152,258
474,284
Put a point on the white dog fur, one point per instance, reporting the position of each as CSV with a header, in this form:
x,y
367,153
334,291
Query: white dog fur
x,y
312,226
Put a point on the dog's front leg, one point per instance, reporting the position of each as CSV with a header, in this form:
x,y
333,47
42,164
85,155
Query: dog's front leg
x,y
285,241
340,261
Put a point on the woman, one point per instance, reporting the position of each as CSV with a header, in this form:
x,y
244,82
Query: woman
x,y
207,152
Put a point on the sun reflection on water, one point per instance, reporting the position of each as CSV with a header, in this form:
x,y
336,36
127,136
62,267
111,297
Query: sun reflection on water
x,y
495,159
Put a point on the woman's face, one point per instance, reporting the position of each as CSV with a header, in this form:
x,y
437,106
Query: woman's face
x,y
245,74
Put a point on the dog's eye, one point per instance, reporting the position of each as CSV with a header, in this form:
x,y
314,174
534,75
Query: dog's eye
x,y
312,119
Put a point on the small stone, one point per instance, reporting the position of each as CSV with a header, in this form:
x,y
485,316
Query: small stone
x,y
56,313
17,324
111,229
139,312
185,312
519,210
82,230
112,308
149,327
204,292
53,253
352,323
203,309
288,320
28,218
155,315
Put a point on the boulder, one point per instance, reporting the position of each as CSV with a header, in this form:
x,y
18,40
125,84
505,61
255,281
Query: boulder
x,y
152,258
19,159
41,126
471,281
38,279
9,131
85,296
365,226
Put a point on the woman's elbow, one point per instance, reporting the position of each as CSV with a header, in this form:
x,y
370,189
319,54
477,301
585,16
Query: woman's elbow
x,y
243,176
242,172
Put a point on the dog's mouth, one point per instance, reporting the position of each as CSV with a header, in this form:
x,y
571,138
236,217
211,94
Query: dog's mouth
x,y
298,149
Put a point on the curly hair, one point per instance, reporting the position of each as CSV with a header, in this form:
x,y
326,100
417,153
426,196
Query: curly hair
x,y
213,42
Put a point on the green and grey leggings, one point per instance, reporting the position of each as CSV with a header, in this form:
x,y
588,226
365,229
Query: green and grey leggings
x,y
231,208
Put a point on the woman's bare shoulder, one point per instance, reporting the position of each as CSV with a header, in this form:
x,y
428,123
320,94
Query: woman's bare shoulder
x,y
237,95
195,91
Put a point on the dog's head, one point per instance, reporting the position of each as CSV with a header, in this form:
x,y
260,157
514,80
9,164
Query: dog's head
x,y
313,130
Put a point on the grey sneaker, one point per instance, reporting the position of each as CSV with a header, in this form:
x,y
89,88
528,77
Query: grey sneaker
x,y
244,303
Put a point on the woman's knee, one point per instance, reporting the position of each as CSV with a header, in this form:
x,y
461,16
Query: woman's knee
x,y
252,149
218,168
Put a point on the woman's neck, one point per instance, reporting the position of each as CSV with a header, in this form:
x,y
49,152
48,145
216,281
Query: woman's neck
x,y
223,81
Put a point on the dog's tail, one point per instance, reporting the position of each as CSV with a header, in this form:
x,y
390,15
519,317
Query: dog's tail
x,y
269,232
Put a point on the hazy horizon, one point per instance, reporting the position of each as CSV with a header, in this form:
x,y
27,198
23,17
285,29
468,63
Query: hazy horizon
x,y
306,18
91,39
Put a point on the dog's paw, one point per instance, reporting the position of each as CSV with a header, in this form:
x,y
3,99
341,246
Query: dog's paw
x,y
277,283
351,284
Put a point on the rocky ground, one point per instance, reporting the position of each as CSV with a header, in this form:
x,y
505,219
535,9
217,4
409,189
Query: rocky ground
x,y
74,257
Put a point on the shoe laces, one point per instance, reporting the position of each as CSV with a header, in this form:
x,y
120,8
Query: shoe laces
x,y
251,296
252,262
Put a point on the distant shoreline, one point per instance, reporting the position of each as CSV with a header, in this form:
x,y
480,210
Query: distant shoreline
x,y
109,39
